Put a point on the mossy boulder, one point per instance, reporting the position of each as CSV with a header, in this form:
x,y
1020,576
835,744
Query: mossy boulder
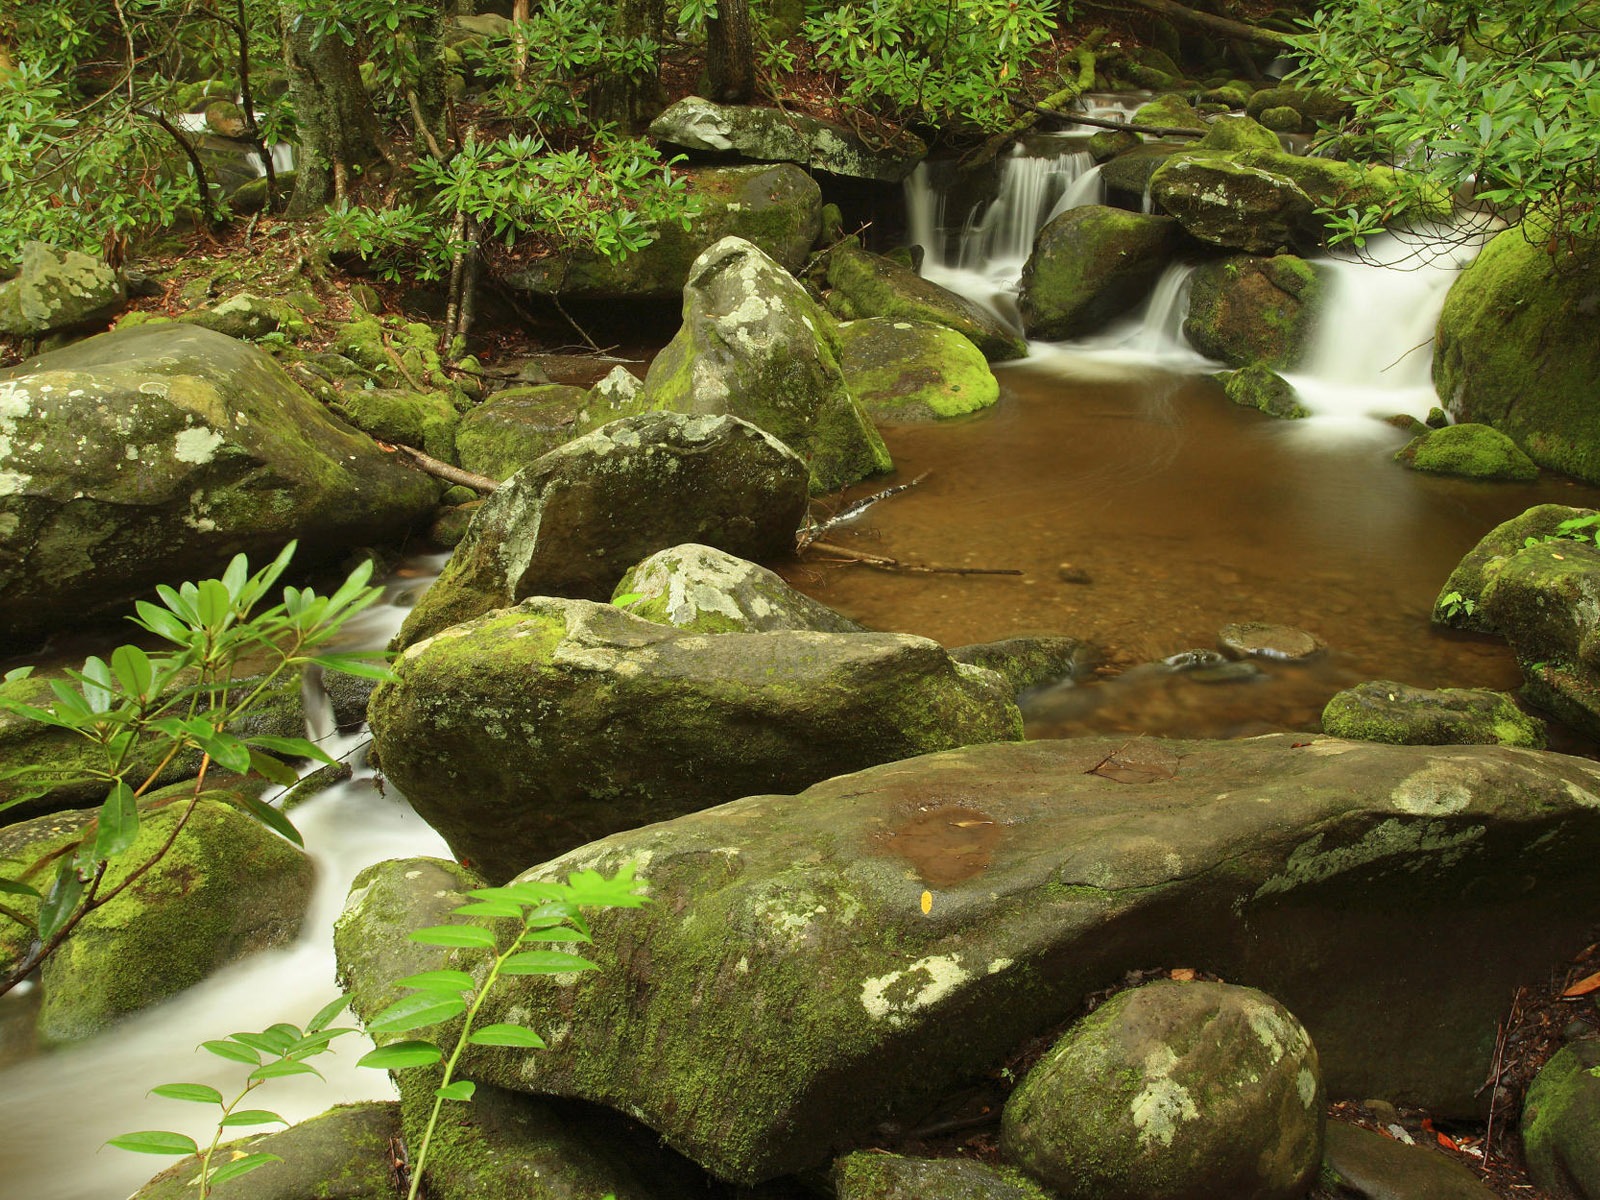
x,y
1230,204
1126,177
390,351
1173,1091
344,1154
777,208
155,454
1402,715
909,371
879,1176
518,425
227,887
246,315
700,589
572,523
1169,112
56,290
1108,143
1315,106
530,730
791,987
1460,600
1239,133
426,420
754,344
1246,309
1282,119
1091,265
1258,386
1516,349
1468,451
869,285
1030,662
1561,1123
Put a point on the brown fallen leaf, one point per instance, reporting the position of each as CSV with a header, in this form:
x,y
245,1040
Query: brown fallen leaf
x,y
1181,974
1583,987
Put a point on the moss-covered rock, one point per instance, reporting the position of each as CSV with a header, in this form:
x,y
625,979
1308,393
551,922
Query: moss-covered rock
x,y
572,523
1460,600
1090,265
877,1176
1402,715
450,527
1169,112
57,290
777,208
535,728
755,345
426,420
226,888
1108,143
391,351
1469,451
1282,119
1126,177
704,590
1258,386
155,454
906,371
247,316
1173,1091
1239,133
869,285
517,425
1233,205
1314,105
1245,309
1516,349
1561,1123
1030,662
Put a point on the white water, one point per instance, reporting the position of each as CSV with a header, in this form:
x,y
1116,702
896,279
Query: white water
x,y
62,1106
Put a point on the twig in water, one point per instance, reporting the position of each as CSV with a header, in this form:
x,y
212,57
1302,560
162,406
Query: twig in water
x,y
894,564
851,511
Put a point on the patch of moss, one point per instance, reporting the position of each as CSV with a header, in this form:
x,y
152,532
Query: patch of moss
x,y
1470,451
903,371
1258,386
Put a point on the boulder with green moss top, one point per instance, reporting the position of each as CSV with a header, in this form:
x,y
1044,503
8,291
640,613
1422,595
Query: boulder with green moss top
x,y
572,523
1258,386
1561,1123
1313,105
755,345
879,1176
1282,119
248,316
1126,178
227,887
1245,309
57,290
701,589
527,731
1460,600
904,371
1469,451
1169,112
1516,349
449,528
347,1153
1030,662
777,208
1385,711
155,454
1109,143
1091,265
1239,133
773,135
426,420
869,285
1173,1091
1231,204
517,425
814,965
394,352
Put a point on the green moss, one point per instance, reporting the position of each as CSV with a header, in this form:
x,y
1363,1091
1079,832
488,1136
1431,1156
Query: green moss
x,y
1239,133
1091,265
1245,309
1259,386
872,286
517,425
1561,1122
902,371
1169,112
1386,711
426,420
1470,451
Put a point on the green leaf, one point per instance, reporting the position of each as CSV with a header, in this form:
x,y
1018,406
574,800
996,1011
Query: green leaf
x,y
12,887
252,1116
133,670
271,817
196,1093
119,822
327,1013
506,1035
233,1051
361,666
454,935
437,980
275,1070
489,908
544,962
397,1056
241,1166
461,1089
227,751
62,901
294,748
416,1011
276,770
155,1141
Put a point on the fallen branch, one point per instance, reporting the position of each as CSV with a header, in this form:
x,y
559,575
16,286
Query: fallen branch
x,y
441,470
1074,118
1207,21
850,512
894,564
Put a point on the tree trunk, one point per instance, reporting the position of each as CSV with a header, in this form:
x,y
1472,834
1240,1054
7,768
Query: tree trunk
x,y
339,131
426,94
630,101
731,53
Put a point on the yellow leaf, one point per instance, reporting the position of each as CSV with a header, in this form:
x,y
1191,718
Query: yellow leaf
x,y
927,903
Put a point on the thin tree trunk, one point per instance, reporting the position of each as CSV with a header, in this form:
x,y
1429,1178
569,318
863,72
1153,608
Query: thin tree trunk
x,y
630,100
339,130
731,53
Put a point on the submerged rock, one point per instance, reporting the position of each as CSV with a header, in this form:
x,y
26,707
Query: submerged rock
x,y
1260,639
1386,711
908,371
1469,451
1561,1123
703,590
1246,309
1030,662
1090,265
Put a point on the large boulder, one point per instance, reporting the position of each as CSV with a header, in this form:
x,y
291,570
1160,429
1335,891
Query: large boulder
x,y
1173,1091
869,285
516,426
1245,309
814,965
1468,451
157,453
533,729
1459,601
1229,204
907,371
777,208
1516,349
1091,265
1385,711
701,589
574,521
754,344
57,290
773,135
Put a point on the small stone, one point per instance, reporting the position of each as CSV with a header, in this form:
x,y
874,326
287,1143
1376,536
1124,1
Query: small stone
x,y
1373,1167
1068,573
1256,639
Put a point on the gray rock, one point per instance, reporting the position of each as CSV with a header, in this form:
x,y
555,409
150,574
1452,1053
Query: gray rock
x,y
516,426
1233,205
1258,639
1386,711
1561,1123
704,590
1369,1166
1091,265
877,1176
57,290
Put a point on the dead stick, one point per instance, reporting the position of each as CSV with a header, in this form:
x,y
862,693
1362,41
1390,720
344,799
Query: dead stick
x,y
894,564
442,470
401,367
852,511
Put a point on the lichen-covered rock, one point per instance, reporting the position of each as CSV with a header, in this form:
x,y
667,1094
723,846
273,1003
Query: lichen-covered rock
x,y
1239,133
530,730
1173,1091
1229,204
704,590
905,371
226,888
869,285
1245,309
1469,451
1367,1165
1561,1123
754,344
518,425
574,521
791,987
777,208
1459,604
155,454
1090,265
877,1176
1386,711
344,1154
773,135
57,290
1258,386
1126,178
426,420
1516,349
246,315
